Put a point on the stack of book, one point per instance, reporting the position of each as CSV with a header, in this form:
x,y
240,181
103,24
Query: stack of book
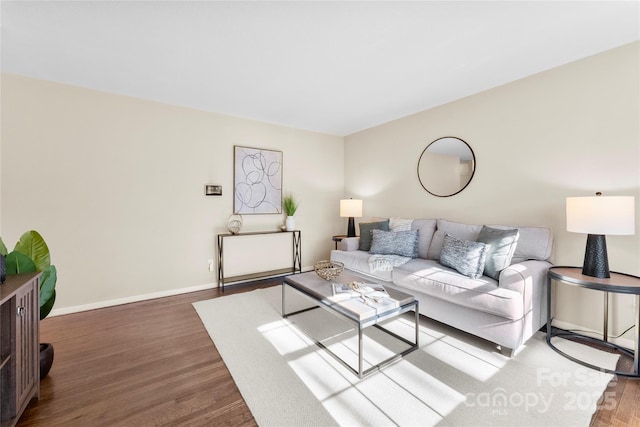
x,y
363,299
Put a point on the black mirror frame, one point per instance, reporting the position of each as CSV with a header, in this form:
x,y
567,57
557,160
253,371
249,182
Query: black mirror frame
x,y
472,172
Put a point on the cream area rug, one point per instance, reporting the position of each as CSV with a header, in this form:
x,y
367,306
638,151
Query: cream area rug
x,y
452,379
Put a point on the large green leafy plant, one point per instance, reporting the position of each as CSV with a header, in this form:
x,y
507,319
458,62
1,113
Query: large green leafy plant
x,y
30,255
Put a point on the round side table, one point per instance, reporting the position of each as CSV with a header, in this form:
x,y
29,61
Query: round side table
x,y
339,238
618,283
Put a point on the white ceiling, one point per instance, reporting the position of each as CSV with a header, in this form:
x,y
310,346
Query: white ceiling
x,y
332,67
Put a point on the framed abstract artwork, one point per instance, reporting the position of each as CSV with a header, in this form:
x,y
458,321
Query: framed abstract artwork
x,y
257,181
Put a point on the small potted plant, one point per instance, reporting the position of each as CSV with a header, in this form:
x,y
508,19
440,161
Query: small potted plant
x,y
290,206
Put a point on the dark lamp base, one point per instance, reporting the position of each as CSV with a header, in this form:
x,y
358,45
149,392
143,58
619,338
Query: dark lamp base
x,y
351,228
596,262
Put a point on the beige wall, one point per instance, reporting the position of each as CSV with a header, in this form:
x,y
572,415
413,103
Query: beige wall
x,y
116,187
115,184
570,131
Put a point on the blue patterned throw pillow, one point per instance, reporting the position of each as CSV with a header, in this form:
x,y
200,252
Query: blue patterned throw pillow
x,y
365,232
403,243
465,256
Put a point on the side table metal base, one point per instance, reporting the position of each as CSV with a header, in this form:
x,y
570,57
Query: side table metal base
x,y
618,283
553,332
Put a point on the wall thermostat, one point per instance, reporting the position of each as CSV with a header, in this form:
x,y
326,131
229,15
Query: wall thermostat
x,y
213,190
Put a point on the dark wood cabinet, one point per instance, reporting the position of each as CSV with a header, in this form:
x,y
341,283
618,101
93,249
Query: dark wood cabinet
x,y
19,345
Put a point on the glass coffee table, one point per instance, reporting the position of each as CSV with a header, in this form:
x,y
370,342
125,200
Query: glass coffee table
x,y
367,305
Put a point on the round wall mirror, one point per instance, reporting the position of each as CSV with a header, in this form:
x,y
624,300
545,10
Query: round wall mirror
x,y
446,166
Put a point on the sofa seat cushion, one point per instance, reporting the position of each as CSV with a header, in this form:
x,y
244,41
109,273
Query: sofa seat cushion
x,y
483,294
358,261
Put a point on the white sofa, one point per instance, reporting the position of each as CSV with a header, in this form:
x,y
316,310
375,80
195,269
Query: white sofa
x,y
506,311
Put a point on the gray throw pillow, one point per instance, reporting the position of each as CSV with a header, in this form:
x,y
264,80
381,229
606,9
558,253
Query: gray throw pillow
x,y
365,232
501,247
465,256
403,243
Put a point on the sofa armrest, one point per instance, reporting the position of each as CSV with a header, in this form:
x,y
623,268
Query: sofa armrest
x,y
520,275
349,244
530,279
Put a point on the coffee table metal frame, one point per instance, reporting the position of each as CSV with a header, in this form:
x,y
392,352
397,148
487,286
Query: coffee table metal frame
x,y
331,307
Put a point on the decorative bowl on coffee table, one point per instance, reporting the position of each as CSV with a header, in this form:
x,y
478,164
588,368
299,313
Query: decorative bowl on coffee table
x,y
328,270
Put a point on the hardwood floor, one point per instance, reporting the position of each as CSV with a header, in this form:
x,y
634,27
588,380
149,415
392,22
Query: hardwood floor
x,y
149,363
625,393
153,364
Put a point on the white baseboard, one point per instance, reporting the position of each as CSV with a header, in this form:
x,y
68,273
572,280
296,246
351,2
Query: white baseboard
x,y
144,297
127,300
622,342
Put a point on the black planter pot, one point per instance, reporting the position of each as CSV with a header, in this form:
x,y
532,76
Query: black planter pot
x,y
46,358
3,269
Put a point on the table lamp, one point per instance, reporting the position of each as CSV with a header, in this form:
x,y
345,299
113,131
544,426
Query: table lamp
x,y
598,216
351,208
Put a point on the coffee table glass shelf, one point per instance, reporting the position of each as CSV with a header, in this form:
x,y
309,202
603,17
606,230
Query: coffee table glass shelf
x,y
368,305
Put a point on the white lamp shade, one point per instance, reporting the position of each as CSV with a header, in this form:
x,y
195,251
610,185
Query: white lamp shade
x,y
614,215
351,208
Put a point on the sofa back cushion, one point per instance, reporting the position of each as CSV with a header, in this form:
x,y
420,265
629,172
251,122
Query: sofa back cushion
x,y
425,229
458,230
533,242
400,224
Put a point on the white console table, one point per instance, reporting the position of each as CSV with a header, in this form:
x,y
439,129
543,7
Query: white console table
x,y
296,258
